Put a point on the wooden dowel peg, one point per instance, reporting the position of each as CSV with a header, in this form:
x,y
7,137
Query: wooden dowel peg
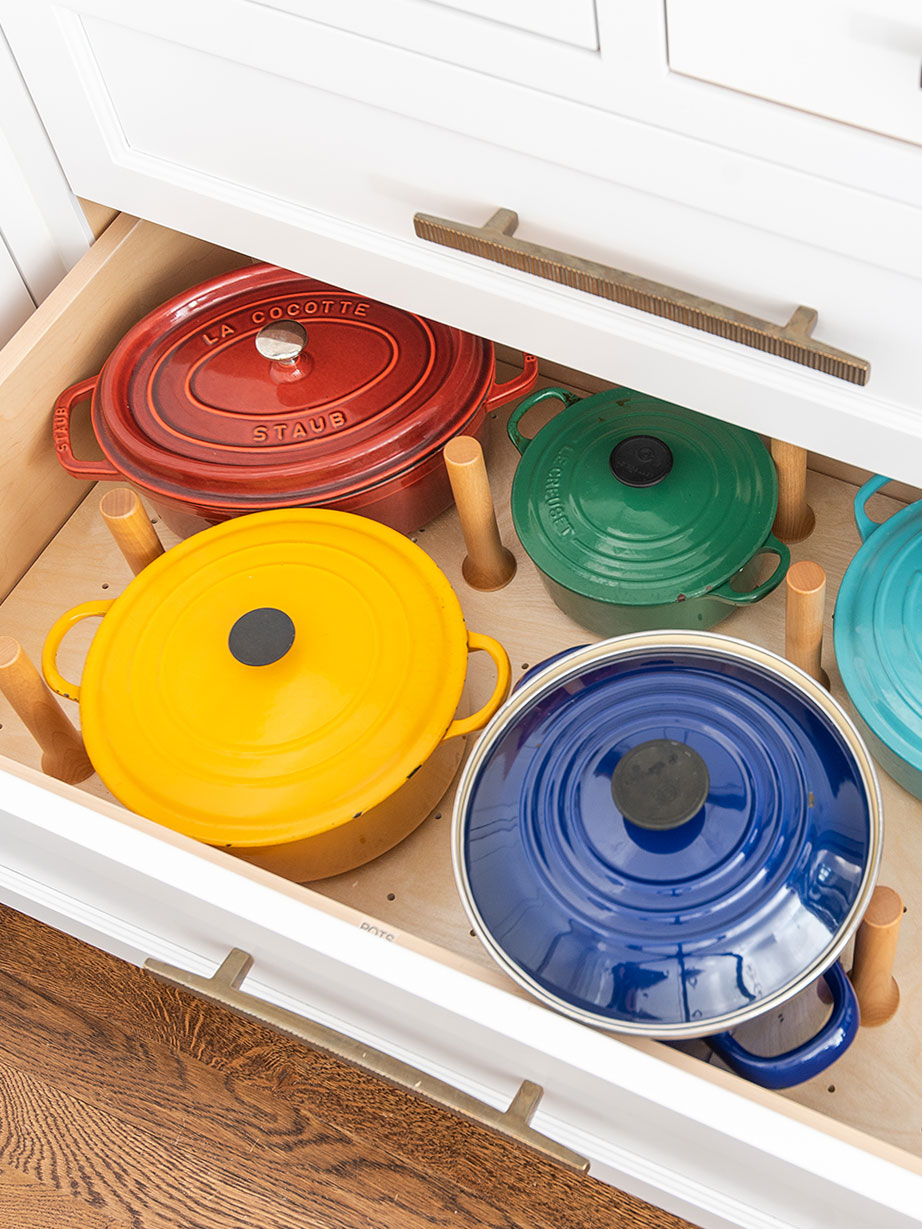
x,y
136,537
64,755
488,565
794,519
875,948
803,628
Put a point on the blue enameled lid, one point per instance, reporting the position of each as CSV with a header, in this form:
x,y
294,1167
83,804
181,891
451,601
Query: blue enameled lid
x,y
878,626
667,833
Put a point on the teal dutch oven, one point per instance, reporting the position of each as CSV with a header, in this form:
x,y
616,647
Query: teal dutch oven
x,y
878,636
640,514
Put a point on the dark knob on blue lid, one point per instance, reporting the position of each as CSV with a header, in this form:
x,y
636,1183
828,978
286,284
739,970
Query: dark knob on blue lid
x,y
261,637
660,784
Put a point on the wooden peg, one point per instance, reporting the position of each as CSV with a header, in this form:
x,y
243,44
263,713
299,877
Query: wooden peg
x,y
136,537
64,755
794,519
875,947
803,627
488,565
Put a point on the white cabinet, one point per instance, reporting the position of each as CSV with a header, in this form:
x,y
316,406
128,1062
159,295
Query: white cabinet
x,y
856,61
570,23
310,134
42,230
15,301
573,23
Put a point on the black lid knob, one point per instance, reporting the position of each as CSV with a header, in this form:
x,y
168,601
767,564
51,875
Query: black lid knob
x,y
641,460
660,784
261,636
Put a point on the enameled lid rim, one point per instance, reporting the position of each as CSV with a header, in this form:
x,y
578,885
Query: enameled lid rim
x,y
572,664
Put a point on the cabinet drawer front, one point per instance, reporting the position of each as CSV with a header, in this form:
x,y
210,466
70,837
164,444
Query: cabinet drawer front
x,y
857,62
338,200
433,24
573,22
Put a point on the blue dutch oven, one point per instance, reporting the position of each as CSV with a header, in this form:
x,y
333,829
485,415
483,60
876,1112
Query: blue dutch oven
x,y
878,637
669,833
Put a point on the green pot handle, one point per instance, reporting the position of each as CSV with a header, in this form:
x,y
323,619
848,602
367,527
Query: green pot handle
x,y
521,441
771,546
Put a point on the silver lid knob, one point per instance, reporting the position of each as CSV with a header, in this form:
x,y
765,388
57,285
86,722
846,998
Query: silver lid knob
x,y
281,341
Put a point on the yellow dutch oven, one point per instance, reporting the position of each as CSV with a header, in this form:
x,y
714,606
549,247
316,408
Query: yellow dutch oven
x,y
283,685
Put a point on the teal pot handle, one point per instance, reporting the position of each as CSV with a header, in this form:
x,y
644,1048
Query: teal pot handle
x,y
521,441
865,525
771,546
807,1060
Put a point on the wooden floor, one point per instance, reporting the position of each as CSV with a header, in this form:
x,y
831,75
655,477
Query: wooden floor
x,y
125,1104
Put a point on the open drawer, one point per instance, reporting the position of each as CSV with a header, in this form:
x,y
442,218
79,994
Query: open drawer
x,y
384,954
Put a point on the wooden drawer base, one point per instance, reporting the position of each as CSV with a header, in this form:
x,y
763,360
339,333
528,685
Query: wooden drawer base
x,y
410,892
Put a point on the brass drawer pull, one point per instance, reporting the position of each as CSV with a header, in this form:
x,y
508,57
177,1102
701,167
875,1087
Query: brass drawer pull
x,y
791,341
223,988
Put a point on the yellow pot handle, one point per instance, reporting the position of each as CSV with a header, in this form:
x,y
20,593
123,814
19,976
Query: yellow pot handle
x,y
53,678
486,644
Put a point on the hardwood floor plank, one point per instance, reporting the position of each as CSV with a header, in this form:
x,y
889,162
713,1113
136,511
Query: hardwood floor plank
x,y
34,1206
169,1181
235,1124
87,1022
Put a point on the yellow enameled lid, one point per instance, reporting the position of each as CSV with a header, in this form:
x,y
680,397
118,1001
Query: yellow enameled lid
x,y
273,677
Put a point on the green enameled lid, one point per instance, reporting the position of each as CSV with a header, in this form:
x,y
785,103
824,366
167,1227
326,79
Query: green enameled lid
x,y
636,501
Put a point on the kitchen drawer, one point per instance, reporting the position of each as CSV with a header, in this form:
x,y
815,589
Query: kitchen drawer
x,y
858,62
314,147
385,953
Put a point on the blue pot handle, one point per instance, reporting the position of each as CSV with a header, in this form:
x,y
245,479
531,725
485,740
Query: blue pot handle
x,y
533,670
807,1060
865,525
512,428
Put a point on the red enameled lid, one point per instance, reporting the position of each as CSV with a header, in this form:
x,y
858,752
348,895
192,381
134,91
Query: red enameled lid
x,y
189,405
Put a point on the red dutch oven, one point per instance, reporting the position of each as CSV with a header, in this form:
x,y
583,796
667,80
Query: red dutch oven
x,y
265,389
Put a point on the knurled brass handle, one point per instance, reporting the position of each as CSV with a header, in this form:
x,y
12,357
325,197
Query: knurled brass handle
x,y
223,988
790,341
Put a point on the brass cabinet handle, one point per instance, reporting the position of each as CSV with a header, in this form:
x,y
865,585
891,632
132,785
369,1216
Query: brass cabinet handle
x,y
223,988
790,341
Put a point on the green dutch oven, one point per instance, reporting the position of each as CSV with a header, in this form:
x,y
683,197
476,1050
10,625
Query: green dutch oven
x,y
640,514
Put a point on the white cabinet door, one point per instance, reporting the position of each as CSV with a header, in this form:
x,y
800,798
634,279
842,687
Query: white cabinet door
x,y
572,22
857,61
551,46
16,304
41,221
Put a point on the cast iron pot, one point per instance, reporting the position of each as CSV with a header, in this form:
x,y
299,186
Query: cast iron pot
x,y
284,686
668,834
877,631
640,514
264,389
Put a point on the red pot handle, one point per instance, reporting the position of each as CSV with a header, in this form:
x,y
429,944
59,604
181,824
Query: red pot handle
x,y
63,408
499,394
